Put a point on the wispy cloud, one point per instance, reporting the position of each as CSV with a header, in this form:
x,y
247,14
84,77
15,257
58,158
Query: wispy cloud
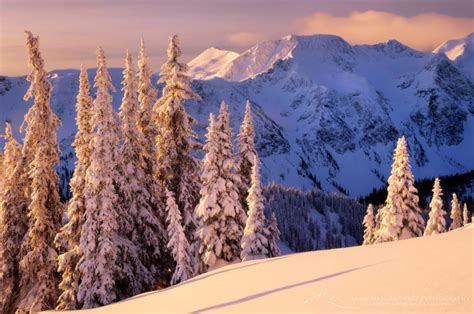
x,y
424,31
245,39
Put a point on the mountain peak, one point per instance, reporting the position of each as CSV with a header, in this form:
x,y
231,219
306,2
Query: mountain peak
x,y
456,48
210,62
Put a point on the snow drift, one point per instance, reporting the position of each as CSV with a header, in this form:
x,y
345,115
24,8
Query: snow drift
x,y
428,274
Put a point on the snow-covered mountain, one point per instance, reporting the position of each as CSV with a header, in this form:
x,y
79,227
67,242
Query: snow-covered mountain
x,y
461,51
327,113
421,275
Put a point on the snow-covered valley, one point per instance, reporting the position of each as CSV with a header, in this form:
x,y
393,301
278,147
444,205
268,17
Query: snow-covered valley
x,y
326,113
423,275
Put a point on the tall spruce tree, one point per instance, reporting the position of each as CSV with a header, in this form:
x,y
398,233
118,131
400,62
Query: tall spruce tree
x,y
401,216
148,127
465,215
38,267
12,221
369,224
219,212
456,219
437,222
177,243
147,97
99,240
138,223
176,168
245,154
69,237
254,241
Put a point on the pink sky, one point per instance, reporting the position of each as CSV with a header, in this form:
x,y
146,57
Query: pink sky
x,y
71,30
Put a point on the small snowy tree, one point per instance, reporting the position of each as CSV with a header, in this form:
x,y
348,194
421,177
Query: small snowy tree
x,y
465,215
138,224
273,237
38,267
176,168
177,242
369,224
245,154
100,231
13,220
401,216
456,219
436,223
69,237
254,241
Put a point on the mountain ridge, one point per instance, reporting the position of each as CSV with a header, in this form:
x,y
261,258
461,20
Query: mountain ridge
x,y
326,113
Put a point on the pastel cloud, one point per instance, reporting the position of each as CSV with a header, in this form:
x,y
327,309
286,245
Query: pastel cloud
x,y
423,31
245,39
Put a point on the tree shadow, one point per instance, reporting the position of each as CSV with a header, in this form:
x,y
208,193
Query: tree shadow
x,y
265,293
204,276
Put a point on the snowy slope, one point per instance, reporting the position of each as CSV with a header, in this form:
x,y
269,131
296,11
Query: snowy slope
x,y
423,275
327,113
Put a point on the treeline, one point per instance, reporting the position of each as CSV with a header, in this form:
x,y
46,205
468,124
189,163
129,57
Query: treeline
x,y
314,220
461,184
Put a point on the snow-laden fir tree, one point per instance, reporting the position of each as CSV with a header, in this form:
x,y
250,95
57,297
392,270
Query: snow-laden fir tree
x,y
369,224
69,237
38,267
254,241
456,219
401,216
147,95
465,215
12,221
273,235
177,242
245,154
140,254
99,240
176,168
437,222
219,212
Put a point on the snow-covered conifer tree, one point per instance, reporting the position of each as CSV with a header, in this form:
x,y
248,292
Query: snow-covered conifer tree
x,y
369,224
12,221
139,258
38,267
401,216
219,212
254,241
148,127
273,237
147,97
456,219
176,168
436,223
465,215
245,154
177,242
69,237
99,239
